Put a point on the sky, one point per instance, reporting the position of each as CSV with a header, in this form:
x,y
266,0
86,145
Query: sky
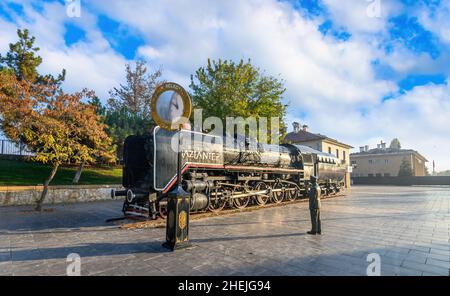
x,y
359,71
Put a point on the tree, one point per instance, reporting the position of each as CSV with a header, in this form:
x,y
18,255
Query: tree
x,y
405,168
121,123
26,118
226,88
128,110
93,134
23,59
58,127
395,144
98,106
96,146
135,95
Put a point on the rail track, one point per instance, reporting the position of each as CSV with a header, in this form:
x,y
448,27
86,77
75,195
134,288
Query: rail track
x,y
161,222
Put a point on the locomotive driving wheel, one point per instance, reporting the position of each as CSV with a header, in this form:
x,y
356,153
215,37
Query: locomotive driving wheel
x,y
262,199
240,202
332,189
278,192
161,207
338,189
219,200
292,192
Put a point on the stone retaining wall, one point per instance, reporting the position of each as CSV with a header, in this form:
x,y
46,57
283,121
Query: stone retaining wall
x,y
27,195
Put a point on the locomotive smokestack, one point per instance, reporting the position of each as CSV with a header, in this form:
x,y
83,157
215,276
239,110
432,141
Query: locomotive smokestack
x,y
305,127
296,126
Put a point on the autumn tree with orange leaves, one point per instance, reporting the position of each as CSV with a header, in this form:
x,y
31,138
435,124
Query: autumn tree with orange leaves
x,y
60,128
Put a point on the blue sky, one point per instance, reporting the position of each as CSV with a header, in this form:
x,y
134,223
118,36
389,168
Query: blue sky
x,y
361,71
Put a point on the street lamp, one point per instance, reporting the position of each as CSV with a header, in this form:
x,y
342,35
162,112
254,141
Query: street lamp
x,y
171,109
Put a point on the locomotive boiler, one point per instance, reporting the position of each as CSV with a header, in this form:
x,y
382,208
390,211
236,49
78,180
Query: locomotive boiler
x,y
219,172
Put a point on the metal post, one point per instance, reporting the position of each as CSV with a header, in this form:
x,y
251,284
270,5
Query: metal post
x,y
179,159
178,205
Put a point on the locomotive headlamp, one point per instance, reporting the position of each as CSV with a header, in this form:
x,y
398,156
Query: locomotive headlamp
x,y
170,106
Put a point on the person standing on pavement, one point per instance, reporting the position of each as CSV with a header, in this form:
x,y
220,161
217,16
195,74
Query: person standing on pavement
x,y
314,206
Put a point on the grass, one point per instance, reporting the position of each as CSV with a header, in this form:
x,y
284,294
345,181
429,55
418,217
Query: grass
x,y
14,172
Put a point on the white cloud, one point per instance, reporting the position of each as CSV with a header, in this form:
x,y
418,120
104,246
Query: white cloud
x,y
438,21
90,63
149,52
331,84
7,36
98,71
419,118
403,61
362,16
275,36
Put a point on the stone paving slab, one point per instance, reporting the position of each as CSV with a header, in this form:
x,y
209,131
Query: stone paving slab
x,y
408,227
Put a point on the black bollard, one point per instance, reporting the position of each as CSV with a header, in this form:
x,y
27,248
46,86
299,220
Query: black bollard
x,y
177,228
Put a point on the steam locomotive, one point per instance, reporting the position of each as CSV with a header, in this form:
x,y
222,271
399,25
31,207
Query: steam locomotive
x,y
219,172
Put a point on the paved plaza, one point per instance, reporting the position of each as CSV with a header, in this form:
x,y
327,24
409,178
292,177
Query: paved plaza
x,y
409,227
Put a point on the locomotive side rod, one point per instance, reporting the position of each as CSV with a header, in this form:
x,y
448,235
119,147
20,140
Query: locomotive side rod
x,y
249,193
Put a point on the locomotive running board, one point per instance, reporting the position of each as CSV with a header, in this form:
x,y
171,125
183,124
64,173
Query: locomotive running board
x,y
263,169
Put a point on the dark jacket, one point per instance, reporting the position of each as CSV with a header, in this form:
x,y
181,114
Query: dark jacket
x,y
314,197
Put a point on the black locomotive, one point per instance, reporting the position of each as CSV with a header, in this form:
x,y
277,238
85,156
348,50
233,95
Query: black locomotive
x,y
220,174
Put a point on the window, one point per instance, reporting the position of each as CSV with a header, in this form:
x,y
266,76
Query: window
x,y
387,175
370,161
329,150
344,155
337,153
353,161
318,147
307,158
378,175
370,175
386,161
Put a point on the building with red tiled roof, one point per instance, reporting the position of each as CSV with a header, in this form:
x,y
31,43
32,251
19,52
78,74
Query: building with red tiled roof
x,y
302,136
